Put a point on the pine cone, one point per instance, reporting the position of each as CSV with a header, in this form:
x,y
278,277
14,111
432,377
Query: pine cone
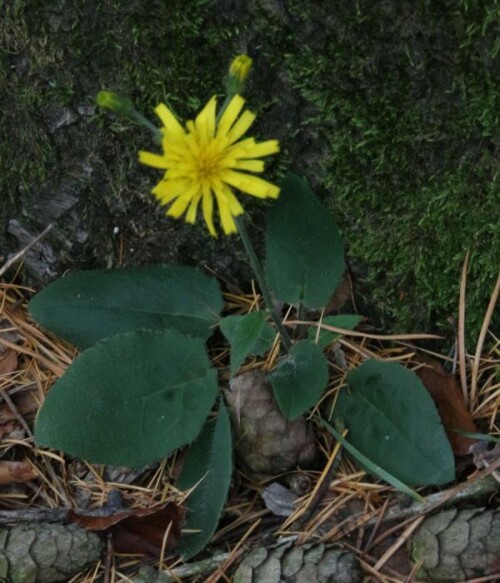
x,y
46,552
284,563
458,544
266,441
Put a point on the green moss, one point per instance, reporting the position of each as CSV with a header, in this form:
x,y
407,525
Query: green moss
x,y
394,118
406,97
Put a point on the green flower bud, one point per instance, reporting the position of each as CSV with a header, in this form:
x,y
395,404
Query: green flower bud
x,y
238,73
116,103
240,67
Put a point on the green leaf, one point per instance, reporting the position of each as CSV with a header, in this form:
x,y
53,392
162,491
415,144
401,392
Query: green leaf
x,y
208,466
371,467
478,436
248,334
88,306
130,399
304,250
393,421
300,379
326,337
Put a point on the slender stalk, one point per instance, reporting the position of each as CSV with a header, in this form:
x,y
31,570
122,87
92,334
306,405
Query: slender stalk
x,y
223,107
266,294
145,122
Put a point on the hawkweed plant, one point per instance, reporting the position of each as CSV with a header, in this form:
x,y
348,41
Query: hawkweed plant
x,y
144,385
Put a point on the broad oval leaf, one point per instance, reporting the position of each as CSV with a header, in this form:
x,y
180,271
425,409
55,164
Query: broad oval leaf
x,y
130,399
370,466
207,467
393,421
324,338
300,379
247,334
304,250
87,306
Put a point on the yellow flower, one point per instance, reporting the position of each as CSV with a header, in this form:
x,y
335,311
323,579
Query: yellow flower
x,y
206,160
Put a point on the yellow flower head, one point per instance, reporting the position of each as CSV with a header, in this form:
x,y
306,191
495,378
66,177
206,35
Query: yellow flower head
x,y
206,160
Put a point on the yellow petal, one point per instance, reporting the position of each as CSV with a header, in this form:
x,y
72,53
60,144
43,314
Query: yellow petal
x,y
205,122
226,218
154,160
230,114
181,204
176,173
260,150
208,209
169,120
234,204
250,165
251,184
241,126
167,190
179,207
174,150
191,213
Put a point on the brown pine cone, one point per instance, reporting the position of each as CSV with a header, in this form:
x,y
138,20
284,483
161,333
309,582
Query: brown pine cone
x,y
266,441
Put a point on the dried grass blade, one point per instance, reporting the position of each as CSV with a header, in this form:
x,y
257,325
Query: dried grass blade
x,y
481,339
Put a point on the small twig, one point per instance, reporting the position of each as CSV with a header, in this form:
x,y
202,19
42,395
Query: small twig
x,y
200,567
33,515
20,419
23,251
108,565
321,488
399,543
461,330
411,577
17,389
355,333
482,484
235,553
369,545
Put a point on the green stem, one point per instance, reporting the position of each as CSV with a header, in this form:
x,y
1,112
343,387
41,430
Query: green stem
x,y
145,122
301,331
223,108
266,294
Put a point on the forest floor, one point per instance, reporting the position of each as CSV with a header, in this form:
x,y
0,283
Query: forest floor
x,y
334,505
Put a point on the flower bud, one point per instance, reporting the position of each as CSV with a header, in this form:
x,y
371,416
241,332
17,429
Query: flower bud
x,y
238,73
116,103
240,67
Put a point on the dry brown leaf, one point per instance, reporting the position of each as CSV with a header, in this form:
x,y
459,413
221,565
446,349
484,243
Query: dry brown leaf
x,y
7,428
138,531
444,389
8,361
11,472
25,404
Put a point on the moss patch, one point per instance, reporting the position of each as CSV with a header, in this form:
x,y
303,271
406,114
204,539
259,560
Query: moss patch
x,y
389,108
406,94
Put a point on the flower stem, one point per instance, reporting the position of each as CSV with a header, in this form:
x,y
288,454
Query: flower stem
x,y
266,294
143,120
